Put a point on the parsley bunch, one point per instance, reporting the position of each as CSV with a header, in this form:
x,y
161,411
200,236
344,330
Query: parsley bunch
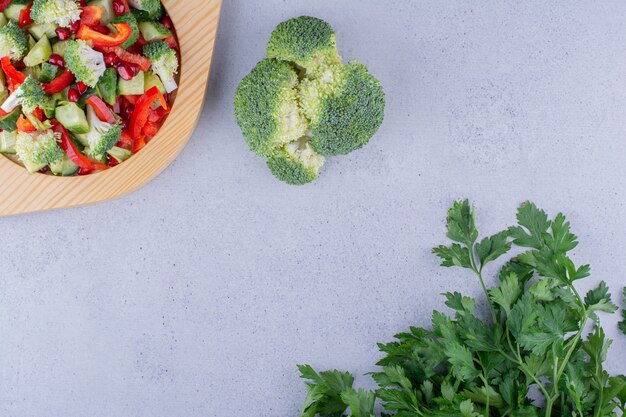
x,y
540,352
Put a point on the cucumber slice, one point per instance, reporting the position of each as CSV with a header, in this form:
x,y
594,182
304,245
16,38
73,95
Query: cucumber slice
x,y
3,20
153,31
63,167
9,121
108,13
131,87
7,142
39,54
46,29
59,47
73,118
120,154
153,80
48,72
107,86
14,9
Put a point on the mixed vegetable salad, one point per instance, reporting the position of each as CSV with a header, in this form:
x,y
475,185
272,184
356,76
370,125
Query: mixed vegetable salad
x,y
84,85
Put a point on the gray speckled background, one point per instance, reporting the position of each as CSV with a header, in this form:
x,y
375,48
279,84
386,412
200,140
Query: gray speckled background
x,y
198,294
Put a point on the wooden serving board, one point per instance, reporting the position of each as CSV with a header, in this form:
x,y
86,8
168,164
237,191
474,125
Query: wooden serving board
x,y
196,25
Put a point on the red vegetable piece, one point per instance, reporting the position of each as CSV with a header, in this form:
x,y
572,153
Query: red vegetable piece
x,y
101,109
11,72
60,83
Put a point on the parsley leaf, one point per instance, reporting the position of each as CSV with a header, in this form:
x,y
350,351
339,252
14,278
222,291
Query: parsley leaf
x,y
622,324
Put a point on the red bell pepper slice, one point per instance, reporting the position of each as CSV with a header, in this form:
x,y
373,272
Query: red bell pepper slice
x,y
126,141
60,83
143,62
99,39
25,125
4,4
139,117
25,19
11,72
73,153
101,109
91,15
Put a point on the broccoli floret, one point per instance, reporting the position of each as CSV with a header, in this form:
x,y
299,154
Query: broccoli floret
x,y
85,63
61,12
132,22
296,163
306,41
102,136
344,113
13,41
29,95
266,107
164,63
153,8
38,150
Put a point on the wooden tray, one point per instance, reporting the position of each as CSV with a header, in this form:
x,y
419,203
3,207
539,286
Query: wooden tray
x,y
196,24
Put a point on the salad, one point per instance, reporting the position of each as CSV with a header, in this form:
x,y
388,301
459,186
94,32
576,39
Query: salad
x,y
83,85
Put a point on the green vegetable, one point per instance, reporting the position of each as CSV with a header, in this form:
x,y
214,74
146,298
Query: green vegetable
x,y
107,86
535,339
13,41
60,12
29,95
108,13
153,80
164,63
39,54
3,20
73,118
266,107
153,8
296,163
132,22
344,113
38,150
84,62
7,142
306,41
9,121
63,167
14,9
120,154
39,31
132,87
303,90
154,31
102,136
48,72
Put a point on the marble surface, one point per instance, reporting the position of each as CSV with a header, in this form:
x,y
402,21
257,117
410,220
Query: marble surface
x,y
198,294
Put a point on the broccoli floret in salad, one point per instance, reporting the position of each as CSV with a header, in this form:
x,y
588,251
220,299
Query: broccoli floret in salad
x,y
266,107
13,41
102,136
153,8
61,12
296,163
344,111
164,63
29,95
85,63
306,41
38,150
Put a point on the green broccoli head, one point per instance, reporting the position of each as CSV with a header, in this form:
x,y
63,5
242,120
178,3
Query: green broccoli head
x,y
61,12
152,8
85,63
29,95
296,163
306,41
134,26
102,136
164,63
344,113
13,41
38,150
266,107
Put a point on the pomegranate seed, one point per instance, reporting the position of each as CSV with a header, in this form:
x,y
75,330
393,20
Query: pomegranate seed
x,y
127,111
75,26
112,161
82,3
82,88
167,22
124,72
73,95
56,59
118,7
111,60
133,68
102,29
63,33
83,171
44,170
